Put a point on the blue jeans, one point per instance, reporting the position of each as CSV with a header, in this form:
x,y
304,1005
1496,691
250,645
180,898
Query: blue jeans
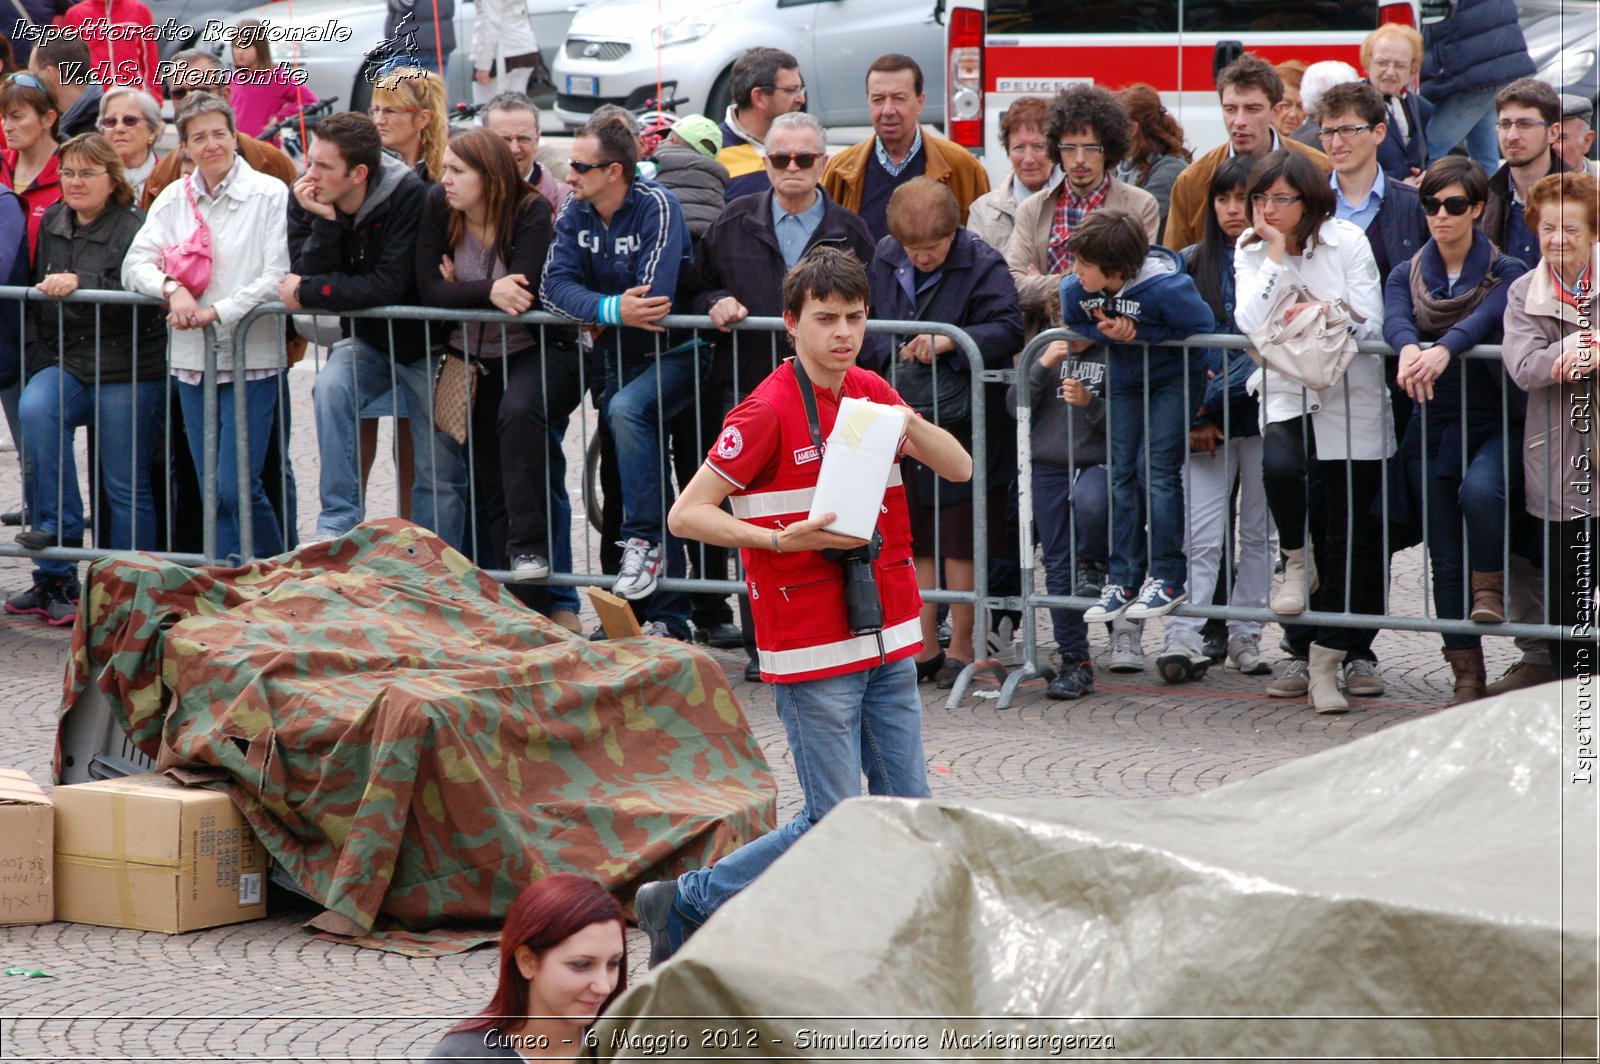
x,y
261,409
838,727
1468,116
1167,441
127,418
1475,501
1067,501
354,371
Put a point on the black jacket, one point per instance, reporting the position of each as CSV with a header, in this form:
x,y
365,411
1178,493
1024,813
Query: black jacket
x,y
353,262
739,257
76,336
1398,154
1497,211
1400,229
701,185
530,243
419,31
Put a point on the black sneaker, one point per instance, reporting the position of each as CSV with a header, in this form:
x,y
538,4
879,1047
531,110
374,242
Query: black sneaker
x,y
1074,679
62,609
34,602
1089,581
722,636
15,518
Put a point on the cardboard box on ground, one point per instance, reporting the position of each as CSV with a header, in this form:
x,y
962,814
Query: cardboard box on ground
x,y
146,853
27,852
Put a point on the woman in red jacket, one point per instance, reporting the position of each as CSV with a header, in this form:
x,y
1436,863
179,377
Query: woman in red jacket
x,y
28,114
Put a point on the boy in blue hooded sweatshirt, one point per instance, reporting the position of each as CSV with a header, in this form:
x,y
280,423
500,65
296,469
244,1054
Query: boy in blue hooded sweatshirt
x,y
1126,293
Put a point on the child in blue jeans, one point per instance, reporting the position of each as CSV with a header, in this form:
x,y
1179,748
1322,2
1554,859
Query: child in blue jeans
x,y
1125,293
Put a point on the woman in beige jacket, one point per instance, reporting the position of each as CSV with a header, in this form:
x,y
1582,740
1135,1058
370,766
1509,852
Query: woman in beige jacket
x,y
1550,352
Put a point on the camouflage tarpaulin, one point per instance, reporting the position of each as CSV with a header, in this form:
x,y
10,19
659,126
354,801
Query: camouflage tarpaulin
x,y
410,743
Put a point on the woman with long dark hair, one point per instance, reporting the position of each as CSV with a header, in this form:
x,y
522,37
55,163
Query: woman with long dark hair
x,y
563,961
1347,428
482,243
1448,298
1224,446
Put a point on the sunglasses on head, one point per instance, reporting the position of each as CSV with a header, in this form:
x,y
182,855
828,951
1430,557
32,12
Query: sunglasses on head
x,y
805,160
584,168
27,81
1455,206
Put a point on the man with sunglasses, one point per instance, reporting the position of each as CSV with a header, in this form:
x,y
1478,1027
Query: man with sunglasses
x,y
765,83
79,93
1528,120
620,246
747,251
193,72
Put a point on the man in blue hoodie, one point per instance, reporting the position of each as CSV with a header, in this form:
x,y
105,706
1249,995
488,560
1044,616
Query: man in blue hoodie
x,y
1127,294
620,245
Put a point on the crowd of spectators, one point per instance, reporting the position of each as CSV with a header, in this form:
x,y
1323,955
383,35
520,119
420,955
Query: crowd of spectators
x,y
1107,222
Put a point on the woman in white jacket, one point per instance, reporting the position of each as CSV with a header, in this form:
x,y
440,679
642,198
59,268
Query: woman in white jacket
x,y
246,213
505,52
1296,239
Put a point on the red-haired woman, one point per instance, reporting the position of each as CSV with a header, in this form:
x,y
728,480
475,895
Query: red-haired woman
x,y
563,960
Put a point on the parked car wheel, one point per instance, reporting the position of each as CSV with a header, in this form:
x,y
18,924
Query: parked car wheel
x,y
720,97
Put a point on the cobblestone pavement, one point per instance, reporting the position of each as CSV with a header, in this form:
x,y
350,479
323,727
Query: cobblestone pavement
x,y
269,990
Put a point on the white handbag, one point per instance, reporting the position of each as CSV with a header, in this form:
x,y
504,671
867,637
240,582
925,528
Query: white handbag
x,y
1316,347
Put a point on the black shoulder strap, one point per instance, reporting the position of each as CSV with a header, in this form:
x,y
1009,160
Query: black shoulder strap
x,y
808,396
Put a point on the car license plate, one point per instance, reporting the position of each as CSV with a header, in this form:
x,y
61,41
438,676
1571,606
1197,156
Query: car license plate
x,y
582,86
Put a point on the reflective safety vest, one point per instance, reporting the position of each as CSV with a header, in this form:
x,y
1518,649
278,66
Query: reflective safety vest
x,y
797,597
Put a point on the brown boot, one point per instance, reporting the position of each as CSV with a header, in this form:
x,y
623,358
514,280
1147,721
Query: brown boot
x,y
1488,597
1469,680
1523,674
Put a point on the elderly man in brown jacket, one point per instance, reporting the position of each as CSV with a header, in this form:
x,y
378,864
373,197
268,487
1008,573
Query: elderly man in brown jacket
x,y
1087,134
863,176
1252,95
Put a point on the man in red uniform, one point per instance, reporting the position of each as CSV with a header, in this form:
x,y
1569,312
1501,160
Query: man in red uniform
x,y
848,701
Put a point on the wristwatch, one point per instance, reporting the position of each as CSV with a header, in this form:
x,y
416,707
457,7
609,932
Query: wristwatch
x,y
169,286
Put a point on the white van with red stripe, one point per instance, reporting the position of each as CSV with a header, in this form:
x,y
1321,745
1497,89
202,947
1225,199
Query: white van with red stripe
x,y
1001,50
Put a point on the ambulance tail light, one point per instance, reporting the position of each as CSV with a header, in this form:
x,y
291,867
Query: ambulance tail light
x,y
1398,12
964,107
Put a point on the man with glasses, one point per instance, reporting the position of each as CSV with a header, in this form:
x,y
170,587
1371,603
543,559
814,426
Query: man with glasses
x,y
620,246
1252,95
79,94
764,83
1351,126
746,253
514,118
865,175
1528,120
193,72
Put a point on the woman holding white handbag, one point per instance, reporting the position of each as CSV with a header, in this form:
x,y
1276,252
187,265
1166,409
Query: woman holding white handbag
x,y
1296,240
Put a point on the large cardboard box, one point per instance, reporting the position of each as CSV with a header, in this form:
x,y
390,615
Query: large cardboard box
x,y
147,853
27,822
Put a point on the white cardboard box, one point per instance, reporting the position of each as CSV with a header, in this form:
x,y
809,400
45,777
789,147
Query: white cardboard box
x,y
856,466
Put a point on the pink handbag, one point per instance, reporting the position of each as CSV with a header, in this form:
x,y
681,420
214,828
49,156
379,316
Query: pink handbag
x,y
189,261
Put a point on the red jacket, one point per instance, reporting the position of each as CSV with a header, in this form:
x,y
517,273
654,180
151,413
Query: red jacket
x,y
122,46
37,197
766,452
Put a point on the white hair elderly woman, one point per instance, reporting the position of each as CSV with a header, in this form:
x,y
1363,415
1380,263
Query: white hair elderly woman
x,y
131,120
247,214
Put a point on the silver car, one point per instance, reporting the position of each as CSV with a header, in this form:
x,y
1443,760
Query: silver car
x,y
615,48
1564,41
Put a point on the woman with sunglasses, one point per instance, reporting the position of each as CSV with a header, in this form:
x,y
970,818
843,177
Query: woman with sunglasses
x,y
563,961
482,243
28,166
103,366
1447,299
262,92
131,120
1347,428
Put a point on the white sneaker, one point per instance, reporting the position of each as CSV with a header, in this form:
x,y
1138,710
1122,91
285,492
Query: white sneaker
x,y
1244,654
641,564
530,567
1125,653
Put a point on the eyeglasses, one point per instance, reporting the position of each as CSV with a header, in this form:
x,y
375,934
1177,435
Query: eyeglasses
x,y
1261,200
1455,206
805,160
87,175
1344,132
1391,64
1070,150
1522,125
584,168
178,94
125,121
1028,149
390,112
792,90
520,142
27,81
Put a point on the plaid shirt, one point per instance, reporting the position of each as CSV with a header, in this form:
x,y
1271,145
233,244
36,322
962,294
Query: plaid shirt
x,y
1071,209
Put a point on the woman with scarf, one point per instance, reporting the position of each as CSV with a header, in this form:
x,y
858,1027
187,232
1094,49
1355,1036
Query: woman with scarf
x,y
1446,299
